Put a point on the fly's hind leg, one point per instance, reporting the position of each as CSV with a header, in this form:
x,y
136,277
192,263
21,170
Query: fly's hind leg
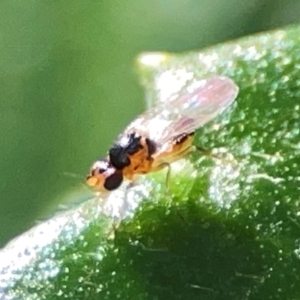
x,y
204,151
218,154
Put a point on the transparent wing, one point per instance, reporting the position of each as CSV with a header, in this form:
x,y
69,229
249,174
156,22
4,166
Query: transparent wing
x,y
182,114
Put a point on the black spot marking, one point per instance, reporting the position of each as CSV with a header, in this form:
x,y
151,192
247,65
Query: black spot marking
x,y
119,153
182,137
151,147
113,181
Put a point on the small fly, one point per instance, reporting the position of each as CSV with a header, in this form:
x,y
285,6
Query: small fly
x,y
163,134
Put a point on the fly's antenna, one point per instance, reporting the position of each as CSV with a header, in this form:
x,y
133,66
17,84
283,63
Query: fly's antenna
x,y
73,175
75,178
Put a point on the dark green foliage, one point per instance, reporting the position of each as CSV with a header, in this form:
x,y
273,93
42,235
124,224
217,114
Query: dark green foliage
x,y
232,231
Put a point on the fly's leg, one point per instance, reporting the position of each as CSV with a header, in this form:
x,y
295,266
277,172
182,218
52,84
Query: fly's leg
x,y
123,209
125,203
168,193
162,166
168,175
204,151
221,155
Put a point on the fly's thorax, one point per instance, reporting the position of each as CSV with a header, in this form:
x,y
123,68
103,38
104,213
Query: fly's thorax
x,y
103,176
126,145
130,150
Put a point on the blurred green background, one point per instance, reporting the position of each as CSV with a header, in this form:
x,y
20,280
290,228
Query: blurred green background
x,y
68,82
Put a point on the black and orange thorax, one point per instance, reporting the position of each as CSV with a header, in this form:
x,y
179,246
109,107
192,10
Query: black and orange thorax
x,y
134,154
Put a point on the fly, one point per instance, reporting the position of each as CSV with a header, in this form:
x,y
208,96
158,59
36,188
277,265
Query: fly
x,y
163,134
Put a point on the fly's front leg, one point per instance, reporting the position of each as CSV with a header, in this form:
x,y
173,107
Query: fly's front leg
x,y
124,207
161,166
168,175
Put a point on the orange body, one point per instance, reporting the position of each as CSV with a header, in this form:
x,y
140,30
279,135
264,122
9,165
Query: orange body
x,y
163,134
142,164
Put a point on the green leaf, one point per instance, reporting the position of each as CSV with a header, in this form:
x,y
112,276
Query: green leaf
x,y
227,228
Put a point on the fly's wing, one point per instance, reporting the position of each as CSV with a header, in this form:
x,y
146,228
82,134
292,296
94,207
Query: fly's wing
x,y
183,114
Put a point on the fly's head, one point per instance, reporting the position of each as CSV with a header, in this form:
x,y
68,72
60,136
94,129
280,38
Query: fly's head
x,y
104,177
